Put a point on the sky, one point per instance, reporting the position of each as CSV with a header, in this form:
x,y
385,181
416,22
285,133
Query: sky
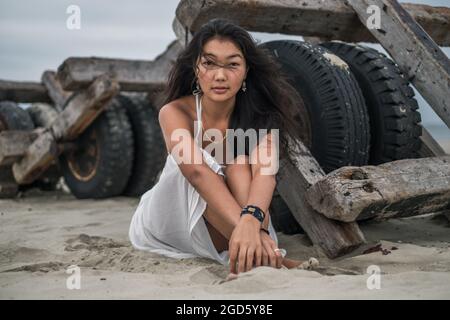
x,y
34,37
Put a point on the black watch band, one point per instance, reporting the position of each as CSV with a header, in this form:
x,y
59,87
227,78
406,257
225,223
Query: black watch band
x,y
254,211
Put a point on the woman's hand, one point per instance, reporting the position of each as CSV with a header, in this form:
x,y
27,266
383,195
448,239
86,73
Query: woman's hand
x,y
245,245
270,257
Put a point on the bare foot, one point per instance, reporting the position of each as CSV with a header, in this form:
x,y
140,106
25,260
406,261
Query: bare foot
x,y
291,264
311,264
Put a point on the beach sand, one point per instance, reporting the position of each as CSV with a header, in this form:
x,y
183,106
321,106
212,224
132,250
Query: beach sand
x,y
43,233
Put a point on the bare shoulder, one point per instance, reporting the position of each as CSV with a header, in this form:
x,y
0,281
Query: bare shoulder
x,y
176,114
177,110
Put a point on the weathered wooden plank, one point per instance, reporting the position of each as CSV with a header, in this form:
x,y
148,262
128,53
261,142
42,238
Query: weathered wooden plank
x,y
8,186
79,113
83,108
335,238
14,144
183,34
132,75
429,147
23,91
399,188
417,55
55,91
329,19
37,158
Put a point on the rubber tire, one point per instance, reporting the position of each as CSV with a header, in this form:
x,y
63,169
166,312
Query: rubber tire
x,y
333,100
149,146
14,117
393,110
281,216
115,139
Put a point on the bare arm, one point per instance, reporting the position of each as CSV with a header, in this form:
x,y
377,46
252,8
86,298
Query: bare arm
x,y
264,159
247,246
176,127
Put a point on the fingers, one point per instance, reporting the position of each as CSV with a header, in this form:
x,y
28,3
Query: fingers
x,y
247,258
250,256
279,259
271,255
258,256
265,257
233,252
242,258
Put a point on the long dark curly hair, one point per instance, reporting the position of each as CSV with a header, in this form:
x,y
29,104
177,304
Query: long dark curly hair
x,y
269,102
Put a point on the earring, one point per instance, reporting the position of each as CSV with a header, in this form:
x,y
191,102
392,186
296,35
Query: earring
x,y
197,90
244,86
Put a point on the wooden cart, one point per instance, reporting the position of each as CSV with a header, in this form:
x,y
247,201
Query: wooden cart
x,y
326,206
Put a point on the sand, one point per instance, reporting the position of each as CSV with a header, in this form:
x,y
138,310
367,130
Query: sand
x,y
43,233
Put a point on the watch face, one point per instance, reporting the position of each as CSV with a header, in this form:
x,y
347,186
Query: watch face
x,y
258,214
261,215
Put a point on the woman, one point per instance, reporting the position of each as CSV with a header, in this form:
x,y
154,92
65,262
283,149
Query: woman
x,y
221,81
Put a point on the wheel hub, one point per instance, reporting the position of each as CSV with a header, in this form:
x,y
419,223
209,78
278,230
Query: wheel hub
x,y
83,161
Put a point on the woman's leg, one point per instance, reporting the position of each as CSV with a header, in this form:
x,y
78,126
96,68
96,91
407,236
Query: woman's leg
x,y
238,179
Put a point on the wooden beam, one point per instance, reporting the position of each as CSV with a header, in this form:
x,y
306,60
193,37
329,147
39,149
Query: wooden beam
x,y
55,91
329,19
37,159
80,111
394,189
132,75
8,186
83,108
23,91
429,147
293,179
417,55
14,144
183,34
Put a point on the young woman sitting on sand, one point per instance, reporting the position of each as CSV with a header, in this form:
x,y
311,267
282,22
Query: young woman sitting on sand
x,y
222,80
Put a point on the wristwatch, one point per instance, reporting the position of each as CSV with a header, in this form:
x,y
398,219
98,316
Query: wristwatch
x,y
254,211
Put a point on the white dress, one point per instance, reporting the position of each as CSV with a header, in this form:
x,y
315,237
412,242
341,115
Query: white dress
x,y
169,217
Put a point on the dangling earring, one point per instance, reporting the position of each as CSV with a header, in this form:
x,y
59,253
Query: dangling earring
x,y
197,90
244,86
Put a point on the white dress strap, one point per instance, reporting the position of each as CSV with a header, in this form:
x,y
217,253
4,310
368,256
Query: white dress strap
x,y
198,107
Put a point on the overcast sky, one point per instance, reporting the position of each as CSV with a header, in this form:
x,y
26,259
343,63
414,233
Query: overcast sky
x,y
34,36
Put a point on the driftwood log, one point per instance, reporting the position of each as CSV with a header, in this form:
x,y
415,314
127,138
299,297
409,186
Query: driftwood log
x,y
55,91
132,75
14,144
328,19
395,189
417,55
38,157
83,108
8,186
80,111
23,91
429,147
335,238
